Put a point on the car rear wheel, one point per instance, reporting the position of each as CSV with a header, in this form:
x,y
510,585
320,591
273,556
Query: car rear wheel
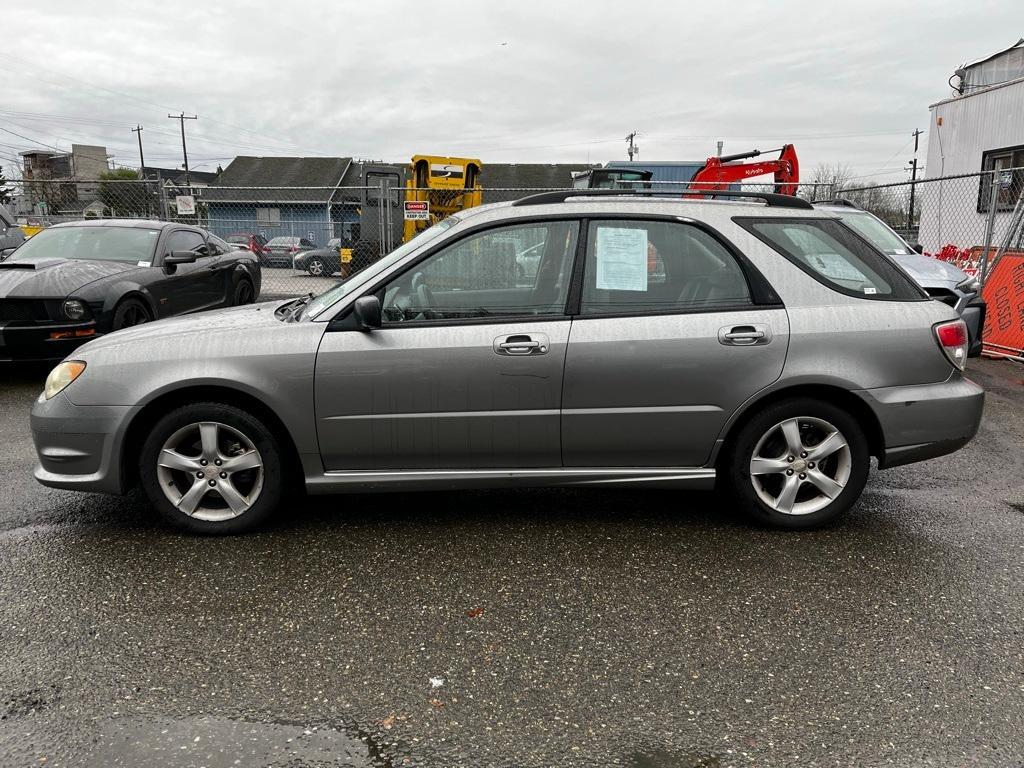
x,y
212,468
799,464
316,267
244,293
128,313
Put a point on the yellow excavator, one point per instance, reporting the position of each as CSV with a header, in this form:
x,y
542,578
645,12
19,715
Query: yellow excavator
x,y
437,187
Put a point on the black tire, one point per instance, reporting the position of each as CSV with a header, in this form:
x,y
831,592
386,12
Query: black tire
x,y
128,313
809,414
316,267
232,422
244,292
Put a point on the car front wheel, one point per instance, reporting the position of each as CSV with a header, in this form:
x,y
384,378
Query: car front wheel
x,y
244,293
212,468
799,464
316,267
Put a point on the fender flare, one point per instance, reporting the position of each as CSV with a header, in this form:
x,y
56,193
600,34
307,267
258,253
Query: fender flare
x,y
120,291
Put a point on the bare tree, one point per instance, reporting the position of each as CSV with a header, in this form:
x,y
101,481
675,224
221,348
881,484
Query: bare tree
x,y
837,175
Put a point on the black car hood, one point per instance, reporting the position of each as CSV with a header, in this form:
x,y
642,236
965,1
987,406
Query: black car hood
x,y
54,278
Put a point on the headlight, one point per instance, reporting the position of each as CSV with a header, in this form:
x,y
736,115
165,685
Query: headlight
x,y
969,285
61,376
74,309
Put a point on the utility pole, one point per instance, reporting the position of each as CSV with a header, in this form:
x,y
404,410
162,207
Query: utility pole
x,y
913,180
142,161
632,149
142,166
184,151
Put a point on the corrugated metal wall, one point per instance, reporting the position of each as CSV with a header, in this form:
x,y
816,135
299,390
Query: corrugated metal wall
x,y
971,126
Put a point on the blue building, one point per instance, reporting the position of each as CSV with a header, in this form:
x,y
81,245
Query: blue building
x,y
273,196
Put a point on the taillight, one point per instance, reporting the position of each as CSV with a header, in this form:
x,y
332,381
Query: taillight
x,y
294,249
953,339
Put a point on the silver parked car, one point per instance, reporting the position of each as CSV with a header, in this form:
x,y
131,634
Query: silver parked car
x,y
942,281
669,343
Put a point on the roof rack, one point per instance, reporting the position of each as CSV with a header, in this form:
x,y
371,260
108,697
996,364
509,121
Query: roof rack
x,y
837,201
772,199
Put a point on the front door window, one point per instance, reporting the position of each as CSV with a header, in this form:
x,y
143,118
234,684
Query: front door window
x,y
521,271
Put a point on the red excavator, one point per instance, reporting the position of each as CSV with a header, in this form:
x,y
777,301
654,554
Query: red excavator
x,y
719,172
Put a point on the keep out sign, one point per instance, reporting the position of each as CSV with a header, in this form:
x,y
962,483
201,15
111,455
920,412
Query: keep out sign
x,y
1004,294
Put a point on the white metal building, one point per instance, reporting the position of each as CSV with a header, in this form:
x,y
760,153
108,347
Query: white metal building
x,y
980,128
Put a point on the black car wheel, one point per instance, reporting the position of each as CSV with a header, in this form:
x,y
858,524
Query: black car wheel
x,y
212,468
316,267
128,313
244,292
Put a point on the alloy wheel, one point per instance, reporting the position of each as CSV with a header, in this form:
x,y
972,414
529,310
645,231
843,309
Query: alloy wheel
x,y
134,315
316,267
245,293
800,465
210,471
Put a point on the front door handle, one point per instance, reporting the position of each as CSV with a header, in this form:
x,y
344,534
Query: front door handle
x,y
521,344
744,335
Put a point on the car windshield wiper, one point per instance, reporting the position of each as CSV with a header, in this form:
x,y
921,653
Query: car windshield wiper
x,y
299,306
289,309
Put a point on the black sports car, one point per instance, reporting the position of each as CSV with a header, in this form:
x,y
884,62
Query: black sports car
x,y
73,282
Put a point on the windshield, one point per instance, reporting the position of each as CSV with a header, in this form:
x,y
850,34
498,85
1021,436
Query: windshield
x,y
875,232
329,298
129,244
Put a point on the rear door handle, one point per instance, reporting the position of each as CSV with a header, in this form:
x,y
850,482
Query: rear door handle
x,y
744,335
521,344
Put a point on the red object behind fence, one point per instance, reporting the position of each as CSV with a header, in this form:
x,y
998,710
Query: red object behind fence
x,y
1004,294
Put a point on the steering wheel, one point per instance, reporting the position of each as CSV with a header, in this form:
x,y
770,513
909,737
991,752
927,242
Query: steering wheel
x,y
424,295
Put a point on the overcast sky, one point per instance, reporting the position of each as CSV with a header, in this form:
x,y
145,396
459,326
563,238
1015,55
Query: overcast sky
x,y
518,81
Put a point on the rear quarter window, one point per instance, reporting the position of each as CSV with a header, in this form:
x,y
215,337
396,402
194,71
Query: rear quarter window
x,y
835,256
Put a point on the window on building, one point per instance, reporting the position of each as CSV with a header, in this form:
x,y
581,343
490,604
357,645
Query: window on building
x,y
268,215
1008,167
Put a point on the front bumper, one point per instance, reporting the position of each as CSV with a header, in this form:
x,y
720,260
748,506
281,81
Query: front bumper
x,y
30,343
79,446
927,420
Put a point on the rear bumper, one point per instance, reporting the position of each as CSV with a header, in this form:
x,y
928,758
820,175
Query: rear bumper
x,y
79,447
973,315
925,421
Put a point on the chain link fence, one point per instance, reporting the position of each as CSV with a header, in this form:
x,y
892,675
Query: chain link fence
x,y
308,238
958,219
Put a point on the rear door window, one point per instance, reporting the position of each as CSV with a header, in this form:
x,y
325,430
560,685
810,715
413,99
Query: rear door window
x,y
835,256
637,267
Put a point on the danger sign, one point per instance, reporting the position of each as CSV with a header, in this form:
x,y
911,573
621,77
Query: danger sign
x,y
417,210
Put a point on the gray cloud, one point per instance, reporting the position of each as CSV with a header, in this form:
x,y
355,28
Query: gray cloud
x,y
845,82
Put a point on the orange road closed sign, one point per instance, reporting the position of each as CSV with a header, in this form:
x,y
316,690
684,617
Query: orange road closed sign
x,y
1004,294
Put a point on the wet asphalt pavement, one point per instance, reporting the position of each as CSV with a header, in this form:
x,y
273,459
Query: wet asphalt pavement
x,y
533,628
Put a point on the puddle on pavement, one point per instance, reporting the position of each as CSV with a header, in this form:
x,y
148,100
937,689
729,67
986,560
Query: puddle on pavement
x,y
219,742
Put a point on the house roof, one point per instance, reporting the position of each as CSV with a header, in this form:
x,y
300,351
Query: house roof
x,y
252,179
529,175
177,175
983,59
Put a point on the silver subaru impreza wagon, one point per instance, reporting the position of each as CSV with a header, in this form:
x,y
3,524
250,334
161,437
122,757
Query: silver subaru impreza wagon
x,y
750,343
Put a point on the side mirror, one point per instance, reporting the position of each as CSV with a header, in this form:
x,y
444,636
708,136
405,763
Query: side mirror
x,y
180,257
917,248
368,313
